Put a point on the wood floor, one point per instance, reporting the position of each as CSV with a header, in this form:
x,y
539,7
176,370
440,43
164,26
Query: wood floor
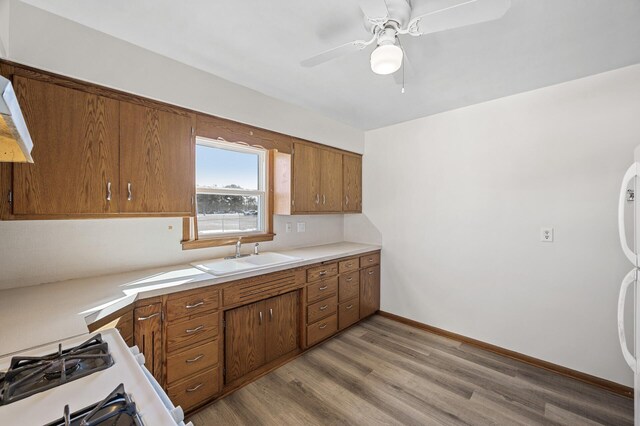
x,y
381,372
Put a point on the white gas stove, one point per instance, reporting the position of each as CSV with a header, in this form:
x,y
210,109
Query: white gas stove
x,y
36,391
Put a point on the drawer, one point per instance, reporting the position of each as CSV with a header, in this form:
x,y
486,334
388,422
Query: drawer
x,y
194,330
322,309
324,271
193,391
322,329
184,364
349,286
189,303
348,265
260,287
321,289
370,260
348,313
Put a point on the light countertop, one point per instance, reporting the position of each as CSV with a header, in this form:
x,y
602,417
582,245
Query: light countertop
x,y
36,315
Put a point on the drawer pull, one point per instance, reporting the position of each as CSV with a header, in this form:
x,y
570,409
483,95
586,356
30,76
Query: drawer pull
x,y
323,288
199,357
350,306
370,272
322,326
370,259
322,273
349,265
322,308
149,317
350,279
195,305
194,330
195,388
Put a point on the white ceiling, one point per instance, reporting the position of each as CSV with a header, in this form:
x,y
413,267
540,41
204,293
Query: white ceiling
x,y
259,44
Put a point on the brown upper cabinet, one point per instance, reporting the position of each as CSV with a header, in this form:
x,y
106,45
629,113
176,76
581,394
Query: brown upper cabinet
x,y
156,161
97,156
352,183
317,180
76,149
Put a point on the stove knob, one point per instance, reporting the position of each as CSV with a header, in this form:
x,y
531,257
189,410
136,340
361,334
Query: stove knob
x,y
134,350
189,424
177,414
140,359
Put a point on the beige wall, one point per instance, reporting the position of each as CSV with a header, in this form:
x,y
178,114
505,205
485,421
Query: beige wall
x,y
457,200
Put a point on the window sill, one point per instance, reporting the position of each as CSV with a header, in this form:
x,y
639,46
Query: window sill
x,y
225,241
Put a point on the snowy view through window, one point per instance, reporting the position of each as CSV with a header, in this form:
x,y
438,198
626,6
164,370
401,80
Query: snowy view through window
x,y
229,188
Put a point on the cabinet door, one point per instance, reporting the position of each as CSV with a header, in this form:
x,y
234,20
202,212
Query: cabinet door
x,y
75,153
352,183
244,340
331,181
369,291
156,161
147,335
306,178
282,325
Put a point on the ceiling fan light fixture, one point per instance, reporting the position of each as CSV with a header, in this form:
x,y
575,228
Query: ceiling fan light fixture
x,y
386,59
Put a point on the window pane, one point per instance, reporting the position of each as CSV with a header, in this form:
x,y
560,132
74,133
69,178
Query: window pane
x,y
222,168
228,214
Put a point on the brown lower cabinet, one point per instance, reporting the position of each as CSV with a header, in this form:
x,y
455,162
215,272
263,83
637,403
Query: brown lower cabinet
x,y
187,337
148,337
258,333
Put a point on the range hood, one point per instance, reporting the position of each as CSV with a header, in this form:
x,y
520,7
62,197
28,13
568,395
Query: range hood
x,y
15,141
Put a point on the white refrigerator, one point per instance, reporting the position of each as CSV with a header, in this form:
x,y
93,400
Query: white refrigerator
x,y
628,218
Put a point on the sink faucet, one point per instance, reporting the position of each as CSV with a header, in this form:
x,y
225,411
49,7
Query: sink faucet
x,y
238,247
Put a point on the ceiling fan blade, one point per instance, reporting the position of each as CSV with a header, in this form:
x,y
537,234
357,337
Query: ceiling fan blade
x,y
376,11
458,14
336,52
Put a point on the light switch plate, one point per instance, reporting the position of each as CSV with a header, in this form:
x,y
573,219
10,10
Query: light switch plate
x,y
301,227
546,234
288,227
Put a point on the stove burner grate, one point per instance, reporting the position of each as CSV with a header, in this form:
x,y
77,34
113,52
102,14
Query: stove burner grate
x,y
29,375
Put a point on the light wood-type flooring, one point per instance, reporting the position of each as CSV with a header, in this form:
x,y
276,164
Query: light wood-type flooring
x,y
381,372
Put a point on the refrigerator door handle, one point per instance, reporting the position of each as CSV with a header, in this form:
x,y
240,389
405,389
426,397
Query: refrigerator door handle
x,y
626,282
631,173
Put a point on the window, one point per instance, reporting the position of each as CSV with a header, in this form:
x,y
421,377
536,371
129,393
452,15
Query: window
x,y
231,193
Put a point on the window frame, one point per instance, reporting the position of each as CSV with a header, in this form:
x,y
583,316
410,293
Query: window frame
x,y
192,240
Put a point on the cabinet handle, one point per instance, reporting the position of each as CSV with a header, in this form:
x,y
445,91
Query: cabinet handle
x,y
260,315
199,357
323,288
317,198
129,194
322,308
195,305
347,199
109,191
193,330
270,313
198,386
149,317
370,272
321,273
324,200
350,306
349,265
322,326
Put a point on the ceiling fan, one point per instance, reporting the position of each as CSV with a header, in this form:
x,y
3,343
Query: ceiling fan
x,y
387,20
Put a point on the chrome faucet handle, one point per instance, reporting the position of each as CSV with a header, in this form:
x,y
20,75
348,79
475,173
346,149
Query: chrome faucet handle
x,y
255,249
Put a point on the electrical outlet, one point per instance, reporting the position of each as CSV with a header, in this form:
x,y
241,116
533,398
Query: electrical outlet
x,y
546,235
301,227
287,227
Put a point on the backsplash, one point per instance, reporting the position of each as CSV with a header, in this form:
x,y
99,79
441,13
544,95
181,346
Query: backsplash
x,y
36,252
